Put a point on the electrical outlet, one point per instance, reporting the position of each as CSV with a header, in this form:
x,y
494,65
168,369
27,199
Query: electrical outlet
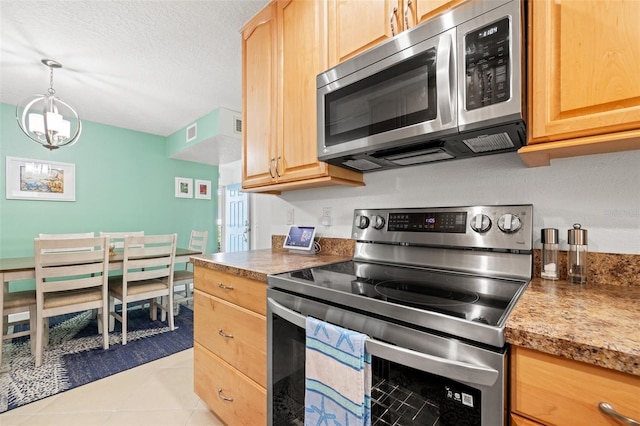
x,y
326,216
290,216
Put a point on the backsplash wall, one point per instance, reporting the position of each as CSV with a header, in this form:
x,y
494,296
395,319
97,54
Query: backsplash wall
x,y
601,192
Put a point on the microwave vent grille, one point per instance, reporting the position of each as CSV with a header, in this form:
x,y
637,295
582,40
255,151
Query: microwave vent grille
x,y
419,157
486,143
362,164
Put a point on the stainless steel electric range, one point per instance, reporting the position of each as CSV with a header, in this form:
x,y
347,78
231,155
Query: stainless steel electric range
x,y
432,288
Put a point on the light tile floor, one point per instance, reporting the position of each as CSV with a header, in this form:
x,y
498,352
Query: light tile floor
x,y
156,393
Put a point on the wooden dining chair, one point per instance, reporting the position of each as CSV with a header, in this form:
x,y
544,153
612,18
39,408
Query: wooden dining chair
x,y
117,238
71,278
17,303
184,276
198,241
147,274
66,237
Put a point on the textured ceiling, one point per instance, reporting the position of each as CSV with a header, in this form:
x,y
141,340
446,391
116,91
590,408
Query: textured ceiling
x,y
152,66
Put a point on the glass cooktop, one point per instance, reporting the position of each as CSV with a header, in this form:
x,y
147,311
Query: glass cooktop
x,y
467,297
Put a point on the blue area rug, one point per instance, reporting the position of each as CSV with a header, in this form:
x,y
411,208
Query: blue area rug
x,y
75,356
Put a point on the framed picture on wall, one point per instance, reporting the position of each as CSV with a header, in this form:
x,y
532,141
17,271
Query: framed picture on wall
x,y
43,180
184,188
203,189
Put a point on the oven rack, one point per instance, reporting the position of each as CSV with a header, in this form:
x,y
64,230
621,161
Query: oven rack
x,y
393,405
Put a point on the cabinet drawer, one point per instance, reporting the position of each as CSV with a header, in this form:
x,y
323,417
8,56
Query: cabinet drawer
x,y
246,350
214,380
560,391
517,420
250,294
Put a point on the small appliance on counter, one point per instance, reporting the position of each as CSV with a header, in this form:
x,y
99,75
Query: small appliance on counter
x,y
577,257
549,239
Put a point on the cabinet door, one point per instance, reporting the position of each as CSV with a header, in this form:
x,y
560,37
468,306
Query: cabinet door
x,y
585,65
259,84
357,25
559,391
304,56
517,420
421,10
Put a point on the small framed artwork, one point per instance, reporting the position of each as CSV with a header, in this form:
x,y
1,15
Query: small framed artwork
x,y
43,180
184,187
203,189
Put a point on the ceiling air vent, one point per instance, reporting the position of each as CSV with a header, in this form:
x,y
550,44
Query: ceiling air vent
x,y
237,125
192,132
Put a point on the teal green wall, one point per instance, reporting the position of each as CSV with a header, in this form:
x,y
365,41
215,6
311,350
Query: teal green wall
x,y
124,182
208,126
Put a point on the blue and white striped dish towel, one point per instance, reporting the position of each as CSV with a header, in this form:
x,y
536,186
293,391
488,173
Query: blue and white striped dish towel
x,y
338,376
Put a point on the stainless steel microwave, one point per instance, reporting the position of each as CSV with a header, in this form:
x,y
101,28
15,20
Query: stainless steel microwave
x,y
452,87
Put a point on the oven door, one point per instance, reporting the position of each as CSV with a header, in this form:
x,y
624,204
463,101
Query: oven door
x,y
417,378
409,95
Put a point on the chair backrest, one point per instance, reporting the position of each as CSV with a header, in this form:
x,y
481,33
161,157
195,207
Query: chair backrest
x,y
198,240
149,257
66,264
67,237
117,238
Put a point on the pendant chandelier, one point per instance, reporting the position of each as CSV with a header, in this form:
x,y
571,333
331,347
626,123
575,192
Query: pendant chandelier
x,y
47,119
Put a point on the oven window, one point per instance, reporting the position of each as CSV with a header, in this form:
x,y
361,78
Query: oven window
x,y
400,395
399,96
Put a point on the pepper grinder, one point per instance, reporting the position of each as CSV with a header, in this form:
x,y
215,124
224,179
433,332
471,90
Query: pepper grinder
x,y
549,238
578,265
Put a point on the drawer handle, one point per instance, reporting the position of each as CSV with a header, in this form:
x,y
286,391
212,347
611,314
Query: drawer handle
x,y
223,334
225,287
222,397
607,408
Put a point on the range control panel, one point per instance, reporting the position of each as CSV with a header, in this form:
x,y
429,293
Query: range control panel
x,y
491,227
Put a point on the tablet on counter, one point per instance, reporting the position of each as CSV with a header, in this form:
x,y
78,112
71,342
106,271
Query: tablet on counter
x,y
300,238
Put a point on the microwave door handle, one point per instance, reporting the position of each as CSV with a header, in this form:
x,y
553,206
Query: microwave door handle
x,y
445,79
456,370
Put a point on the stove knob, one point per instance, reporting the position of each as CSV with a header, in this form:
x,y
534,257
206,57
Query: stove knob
x,y
378,222
509,223
481,223
362,222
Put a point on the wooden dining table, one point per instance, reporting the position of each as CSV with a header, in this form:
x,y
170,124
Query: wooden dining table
x,y
24,268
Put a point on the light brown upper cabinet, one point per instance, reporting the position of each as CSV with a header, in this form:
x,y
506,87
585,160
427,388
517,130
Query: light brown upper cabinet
x,y
284,48
584,84
357,25
259,97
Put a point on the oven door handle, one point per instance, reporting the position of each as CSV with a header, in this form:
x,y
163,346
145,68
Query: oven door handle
x,y
455,370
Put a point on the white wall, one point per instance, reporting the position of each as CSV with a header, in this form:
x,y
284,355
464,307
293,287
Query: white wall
x,y
601,192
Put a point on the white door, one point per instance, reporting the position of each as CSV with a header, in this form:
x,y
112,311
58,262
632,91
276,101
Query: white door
x,y
236,225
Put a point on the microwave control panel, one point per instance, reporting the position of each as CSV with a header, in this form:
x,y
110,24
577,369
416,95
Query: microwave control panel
x,y
487,65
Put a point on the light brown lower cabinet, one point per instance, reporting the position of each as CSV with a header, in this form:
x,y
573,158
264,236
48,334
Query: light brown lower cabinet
x,y
234,398
230,341
516,420
557,391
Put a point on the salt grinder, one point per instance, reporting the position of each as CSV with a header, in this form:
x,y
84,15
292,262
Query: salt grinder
x,y
549,238
578,265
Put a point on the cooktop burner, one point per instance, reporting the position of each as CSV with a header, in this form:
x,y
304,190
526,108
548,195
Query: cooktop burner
x,y
469,297
423,295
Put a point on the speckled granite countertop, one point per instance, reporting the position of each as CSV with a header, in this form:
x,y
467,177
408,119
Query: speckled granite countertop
x,y
257,264
596,324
